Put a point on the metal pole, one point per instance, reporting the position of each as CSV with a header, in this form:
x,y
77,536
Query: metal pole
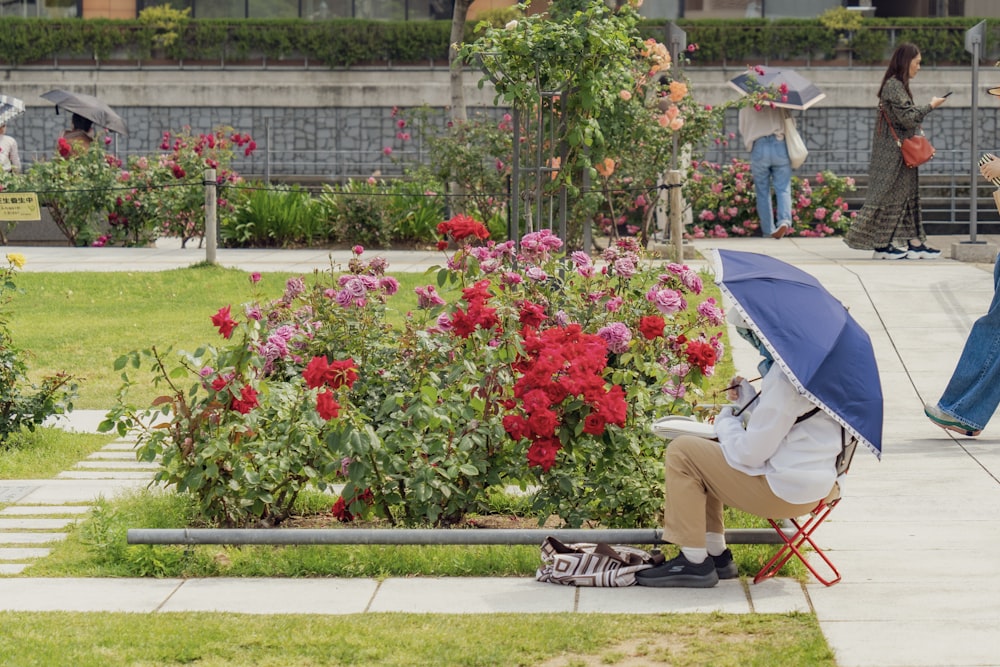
x,y
973,44
210,222
974,151
267,150
676,226
530,536
514,227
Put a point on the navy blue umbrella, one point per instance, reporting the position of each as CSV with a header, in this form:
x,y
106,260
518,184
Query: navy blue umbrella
x,y
815,341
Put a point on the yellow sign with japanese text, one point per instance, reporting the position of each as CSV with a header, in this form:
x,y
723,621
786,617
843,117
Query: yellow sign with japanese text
x,y
19,206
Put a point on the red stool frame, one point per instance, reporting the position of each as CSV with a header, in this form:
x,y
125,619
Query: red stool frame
x,y
793,543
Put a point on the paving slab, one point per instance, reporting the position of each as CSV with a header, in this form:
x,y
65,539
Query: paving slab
x,y
70,491
946,642
26,553
120,446
31,538
728,597
22,510
113,455
117,475
780,595
120,595
273,596
933,599
7,525
118,465
12,568
473,595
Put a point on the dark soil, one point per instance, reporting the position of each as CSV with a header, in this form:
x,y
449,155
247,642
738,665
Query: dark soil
x,y
471,522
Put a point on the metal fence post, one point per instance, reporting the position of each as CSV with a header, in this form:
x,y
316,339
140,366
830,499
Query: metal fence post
x,y
211,196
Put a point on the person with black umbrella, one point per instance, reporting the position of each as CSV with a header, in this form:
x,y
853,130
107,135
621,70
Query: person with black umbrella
x,y
80,132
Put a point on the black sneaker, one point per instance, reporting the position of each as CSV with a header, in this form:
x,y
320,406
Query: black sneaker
x,y
922,251
889,252
679,572
724,565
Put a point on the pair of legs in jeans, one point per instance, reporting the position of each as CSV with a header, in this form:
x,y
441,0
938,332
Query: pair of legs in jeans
x,y
771,168
973,393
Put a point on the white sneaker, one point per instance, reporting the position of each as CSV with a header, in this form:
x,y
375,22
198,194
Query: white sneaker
x,y
922,251
780,231
889,252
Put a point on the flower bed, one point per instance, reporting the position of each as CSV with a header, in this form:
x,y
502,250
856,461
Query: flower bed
x,y
543,370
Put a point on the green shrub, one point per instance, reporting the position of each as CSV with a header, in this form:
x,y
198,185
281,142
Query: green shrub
x,y
268,216
358,213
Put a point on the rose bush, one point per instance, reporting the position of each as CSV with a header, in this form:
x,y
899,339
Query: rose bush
x,y
96,199
543,371
723,202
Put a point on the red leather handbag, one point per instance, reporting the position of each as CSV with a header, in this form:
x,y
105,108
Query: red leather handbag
x,y
916,149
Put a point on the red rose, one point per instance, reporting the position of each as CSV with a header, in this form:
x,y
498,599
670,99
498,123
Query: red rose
x,y
224,322
340,373
594,424
315,372
700,354
542,453
326,406
651,326
246,402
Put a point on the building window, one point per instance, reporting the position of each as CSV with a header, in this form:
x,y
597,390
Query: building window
x,y
46,9
273,9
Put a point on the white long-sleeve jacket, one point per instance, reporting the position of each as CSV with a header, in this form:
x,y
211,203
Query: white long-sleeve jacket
x,y
798,460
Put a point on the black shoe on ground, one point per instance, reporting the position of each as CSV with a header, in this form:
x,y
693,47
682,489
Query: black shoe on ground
x,y
679,572
922,251
889,252
724,565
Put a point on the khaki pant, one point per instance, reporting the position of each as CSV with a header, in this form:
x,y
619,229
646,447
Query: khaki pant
x,y
700,483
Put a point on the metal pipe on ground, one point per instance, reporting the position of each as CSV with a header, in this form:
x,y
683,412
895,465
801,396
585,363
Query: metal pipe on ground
x,y
419,536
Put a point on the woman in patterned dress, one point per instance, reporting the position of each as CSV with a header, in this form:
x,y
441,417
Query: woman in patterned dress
x,y
892,205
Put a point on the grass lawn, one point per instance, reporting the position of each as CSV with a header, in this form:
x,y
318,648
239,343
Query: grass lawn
x,y
538,640
81,322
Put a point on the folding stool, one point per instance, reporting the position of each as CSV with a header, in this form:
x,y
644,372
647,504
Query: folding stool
x,y
794,541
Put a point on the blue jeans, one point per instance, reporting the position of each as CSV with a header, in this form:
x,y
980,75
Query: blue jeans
x,y
973,393
771,167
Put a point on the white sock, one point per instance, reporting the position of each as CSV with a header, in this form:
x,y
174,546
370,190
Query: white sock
x,y
695,555
715,543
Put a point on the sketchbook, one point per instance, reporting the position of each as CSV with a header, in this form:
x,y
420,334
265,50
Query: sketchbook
x,y
677,425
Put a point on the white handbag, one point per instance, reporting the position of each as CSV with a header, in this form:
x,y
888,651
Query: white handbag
x,y
797,151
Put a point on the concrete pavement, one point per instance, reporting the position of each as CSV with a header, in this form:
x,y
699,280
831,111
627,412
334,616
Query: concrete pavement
x,y
913,538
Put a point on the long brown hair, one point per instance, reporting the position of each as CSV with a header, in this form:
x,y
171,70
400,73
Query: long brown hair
x,y
899,66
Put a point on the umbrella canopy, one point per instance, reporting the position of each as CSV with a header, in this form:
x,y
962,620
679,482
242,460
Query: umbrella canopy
x,y
802,93
89,107
813,339
10,107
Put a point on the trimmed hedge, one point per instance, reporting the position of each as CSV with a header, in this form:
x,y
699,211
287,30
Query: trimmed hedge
x,y
346,42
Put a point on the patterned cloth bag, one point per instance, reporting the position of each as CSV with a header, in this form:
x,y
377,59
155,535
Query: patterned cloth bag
x,y
592,564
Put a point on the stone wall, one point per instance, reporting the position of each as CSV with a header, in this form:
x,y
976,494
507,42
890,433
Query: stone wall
x,y
333,124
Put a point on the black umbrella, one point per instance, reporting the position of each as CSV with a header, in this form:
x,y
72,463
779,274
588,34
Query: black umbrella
x,y
801,92
89,107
